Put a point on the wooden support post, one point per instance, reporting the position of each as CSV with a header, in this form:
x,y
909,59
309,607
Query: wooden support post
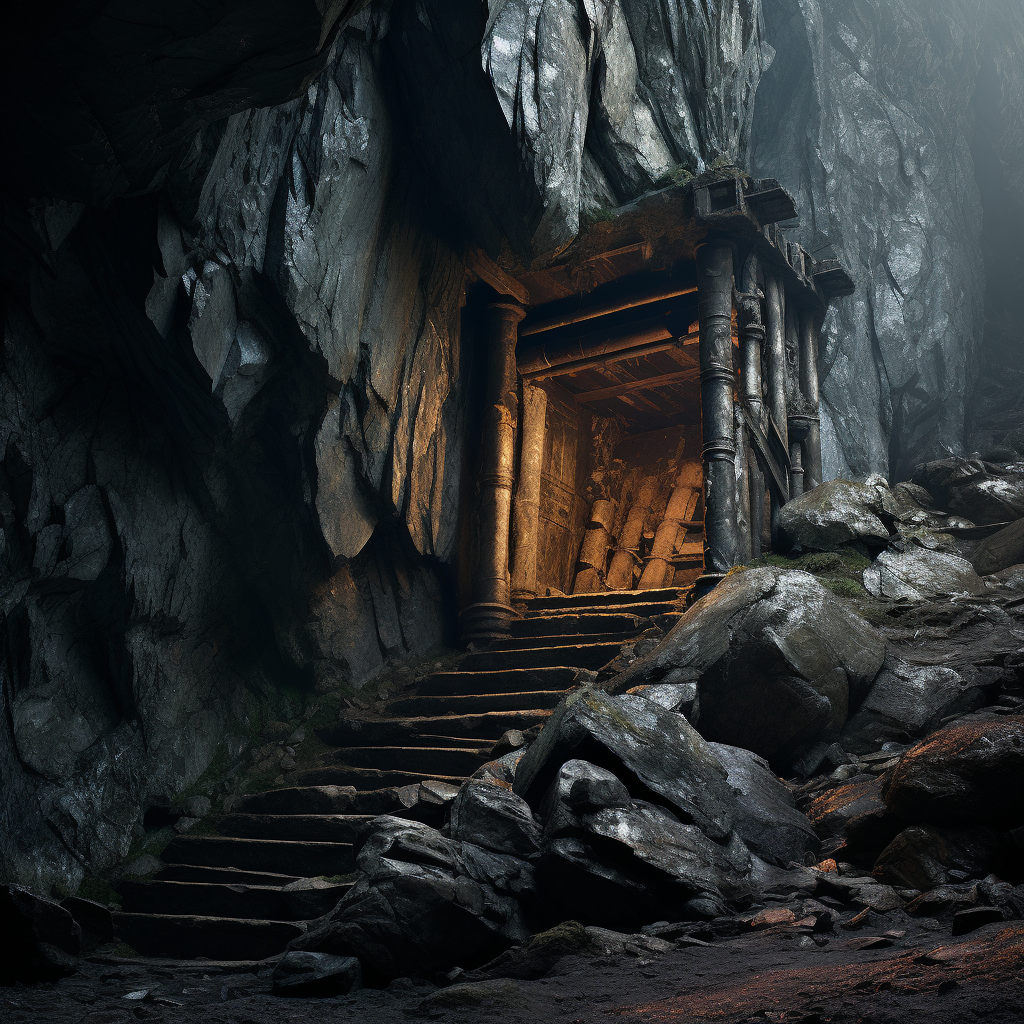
x,y
809,387
593,558
627,554
526,508
488,617
717,380
670,533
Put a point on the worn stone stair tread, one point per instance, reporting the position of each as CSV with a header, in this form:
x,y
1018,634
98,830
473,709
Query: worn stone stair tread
x,y
314,859
605,598
521,643
584,655
226,876
315,828
189,936
370,779
642,610
447,760
257,902
501,680
477,703
551,623
398,730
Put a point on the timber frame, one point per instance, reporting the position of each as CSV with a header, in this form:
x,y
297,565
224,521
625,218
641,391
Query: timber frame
x,y
696,283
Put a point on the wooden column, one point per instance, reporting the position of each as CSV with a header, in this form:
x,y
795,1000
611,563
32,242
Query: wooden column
x,y
809,388
717,380
775,309
489,616
526,508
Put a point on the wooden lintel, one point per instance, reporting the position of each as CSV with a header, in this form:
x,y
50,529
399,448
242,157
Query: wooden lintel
x,y
646,384
500,280
609,357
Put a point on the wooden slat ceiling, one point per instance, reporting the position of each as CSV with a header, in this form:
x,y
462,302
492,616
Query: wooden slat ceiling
x,y
652,391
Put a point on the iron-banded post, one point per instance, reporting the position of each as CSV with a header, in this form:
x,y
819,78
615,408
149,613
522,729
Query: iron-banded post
x,y
809,387
717,382
776,341
488,617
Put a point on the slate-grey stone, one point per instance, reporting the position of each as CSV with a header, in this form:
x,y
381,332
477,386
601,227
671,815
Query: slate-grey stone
x,y
969,773
494,817
920,574
907,701
657,754
42,938
764,813
922,857
1000,551
777,658
302,973
984,492
424,903
839,512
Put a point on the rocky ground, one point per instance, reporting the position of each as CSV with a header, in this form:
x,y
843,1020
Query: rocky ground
x,y
775,973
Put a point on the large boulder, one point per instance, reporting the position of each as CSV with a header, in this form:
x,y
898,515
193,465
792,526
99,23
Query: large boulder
x,y
764,814
923,857
41,938
970,773
839,512
777,658
424,902
984,492
624,862
495,818
908,701
921,574
1001,550
656,753
853,817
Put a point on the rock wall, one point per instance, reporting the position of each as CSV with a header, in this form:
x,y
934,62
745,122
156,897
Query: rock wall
x,y
869,115
236,399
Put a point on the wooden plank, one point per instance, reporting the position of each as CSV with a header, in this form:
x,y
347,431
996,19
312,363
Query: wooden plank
x,y
644,384
608,358
487,270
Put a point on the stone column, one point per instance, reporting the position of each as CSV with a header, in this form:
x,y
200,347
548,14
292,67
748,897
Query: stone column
x,y
526,509
751,479
488,617
717,380
776,342
809,388
796,468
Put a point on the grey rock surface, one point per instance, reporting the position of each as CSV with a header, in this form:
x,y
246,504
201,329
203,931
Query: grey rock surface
x,y
986,492
906,702
839,512
657,753
1002,550
301,973
919,574
765,814
495,818
424,903
778,660
864,115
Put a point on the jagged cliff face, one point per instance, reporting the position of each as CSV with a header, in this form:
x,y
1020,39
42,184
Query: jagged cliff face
x,y
236,409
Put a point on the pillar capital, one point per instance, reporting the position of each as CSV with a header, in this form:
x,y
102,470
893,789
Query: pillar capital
x,y
506,309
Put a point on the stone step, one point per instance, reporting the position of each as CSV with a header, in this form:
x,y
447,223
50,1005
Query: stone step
x,y
562,640
645,610
459,728
369,779
224,876
311,800
592,656
551,623
448,761
307,828
257,902
477,703
502,680
605,599
279,856
187,937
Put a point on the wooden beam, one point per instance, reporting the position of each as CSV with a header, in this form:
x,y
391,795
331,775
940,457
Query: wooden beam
x,y
646,384
501,281
609,357
606,308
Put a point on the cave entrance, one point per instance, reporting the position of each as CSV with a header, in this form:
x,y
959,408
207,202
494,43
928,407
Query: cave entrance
x,y
651,398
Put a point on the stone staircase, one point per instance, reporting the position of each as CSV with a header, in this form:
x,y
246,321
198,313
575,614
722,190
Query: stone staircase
x,y
281,857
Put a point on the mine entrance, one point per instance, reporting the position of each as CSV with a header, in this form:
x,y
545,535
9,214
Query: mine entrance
x,y
620,504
